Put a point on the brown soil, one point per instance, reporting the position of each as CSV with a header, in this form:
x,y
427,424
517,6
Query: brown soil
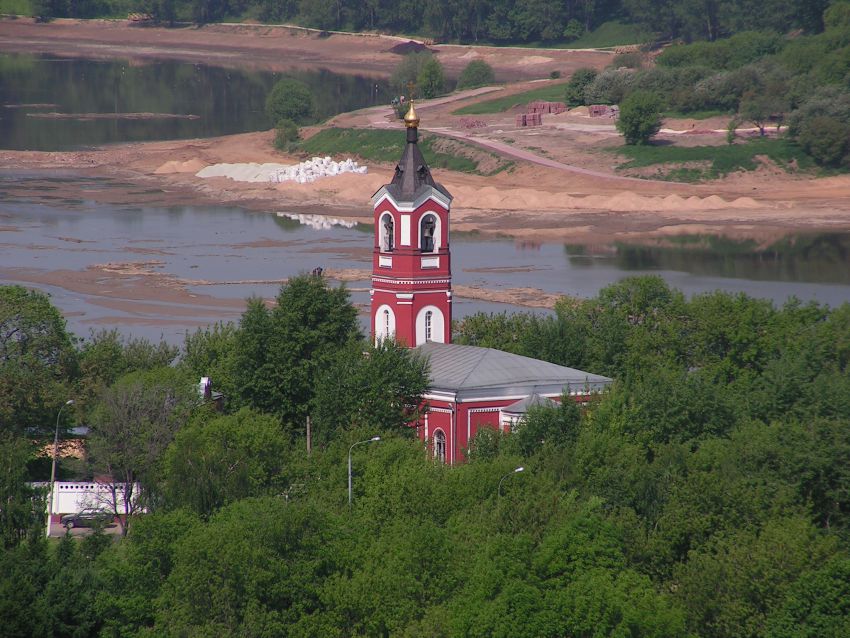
x,y
273,48
563,187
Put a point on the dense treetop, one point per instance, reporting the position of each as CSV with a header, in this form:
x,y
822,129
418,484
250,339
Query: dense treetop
x,y
705,494
498,21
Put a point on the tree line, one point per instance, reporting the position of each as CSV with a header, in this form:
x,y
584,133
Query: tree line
x,y
497,21
705,494
760,78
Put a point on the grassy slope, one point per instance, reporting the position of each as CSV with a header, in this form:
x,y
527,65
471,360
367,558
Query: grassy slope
x,y
378,145
610,34
723,159
549,92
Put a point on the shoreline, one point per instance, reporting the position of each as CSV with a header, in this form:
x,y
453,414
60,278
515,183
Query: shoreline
x,y
541,199
576,197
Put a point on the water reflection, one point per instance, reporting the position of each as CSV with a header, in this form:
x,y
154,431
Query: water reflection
x,y
804,258
223,101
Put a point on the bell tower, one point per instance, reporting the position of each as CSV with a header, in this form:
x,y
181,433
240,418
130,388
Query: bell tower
x,y
411,263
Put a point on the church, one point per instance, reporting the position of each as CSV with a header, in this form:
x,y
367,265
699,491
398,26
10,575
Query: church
x,y
411,300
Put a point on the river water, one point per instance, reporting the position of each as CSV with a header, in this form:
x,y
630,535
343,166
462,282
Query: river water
x,y
48,103
220,255
154,270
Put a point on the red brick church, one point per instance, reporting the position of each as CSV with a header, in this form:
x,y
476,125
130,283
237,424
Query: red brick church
x,y
471,387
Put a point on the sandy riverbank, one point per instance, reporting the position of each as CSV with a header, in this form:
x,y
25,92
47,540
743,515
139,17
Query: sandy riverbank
x,y
563,187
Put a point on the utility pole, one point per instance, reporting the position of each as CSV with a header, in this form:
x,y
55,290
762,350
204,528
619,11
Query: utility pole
x,y
309,437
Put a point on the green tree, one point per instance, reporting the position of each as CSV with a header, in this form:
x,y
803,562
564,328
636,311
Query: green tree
x,y
134,423
826,139
430,79
818,604
576,87
407,71
758,108
640,117
476,73
735,583
211,352
292,100
21,511
37,361
280,353
286,132
214,462
373,386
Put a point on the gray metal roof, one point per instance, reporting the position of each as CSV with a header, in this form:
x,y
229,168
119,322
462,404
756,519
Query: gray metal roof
x,y
470,371
532,400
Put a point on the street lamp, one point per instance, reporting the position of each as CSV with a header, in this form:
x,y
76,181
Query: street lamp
x,y
511,473
372,440
53,467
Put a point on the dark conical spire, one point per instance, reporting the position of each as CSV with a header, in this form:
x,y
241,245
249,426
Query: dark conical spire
x,y
412,172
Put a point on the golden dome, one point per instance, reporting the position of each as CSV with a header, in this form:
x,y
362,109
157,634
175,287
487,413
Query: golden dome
x,y
411,120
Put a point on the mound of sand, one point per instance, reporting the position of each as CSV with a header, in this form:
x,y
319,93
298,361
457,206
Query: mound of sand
x,y
174,166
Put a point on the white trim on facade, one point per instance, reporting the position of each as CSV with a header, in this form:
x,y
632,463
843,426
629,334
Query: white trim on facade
x,y
408,207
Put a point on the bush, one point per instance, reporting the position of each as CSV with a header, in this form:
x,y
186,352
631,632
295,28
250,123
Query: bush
x,y
430,79
477,73
573,31
831,101
290,100
285,134
577,86
640,117
408,70
826,140
609,87
631,60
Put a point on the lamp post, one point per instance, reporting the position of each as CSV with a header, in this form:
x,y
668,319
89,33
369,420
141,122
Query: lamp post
x,y
372,440
511,473
53,466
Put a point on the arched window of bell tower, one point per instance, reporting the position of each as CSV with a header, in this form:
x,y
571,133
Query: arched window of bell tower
x,y
384,324
386,233
430,325
429,233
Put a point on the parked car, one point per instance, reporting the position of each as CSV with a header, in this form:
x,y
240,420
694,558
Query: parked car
x,y
89,517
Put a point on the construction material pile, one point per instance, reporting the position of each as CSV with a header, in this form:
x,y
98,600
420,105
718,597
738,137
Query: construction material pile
x,y
303,173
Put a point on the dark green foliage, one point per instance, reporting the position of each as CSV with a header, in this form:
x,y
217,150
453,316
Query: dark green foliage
x,y
21,510
826,139
286,133
704,495
215,461
37,359
816,605
135,421
378,386
640,117
280,353
476,73
408,71
429,80
576,87
292,100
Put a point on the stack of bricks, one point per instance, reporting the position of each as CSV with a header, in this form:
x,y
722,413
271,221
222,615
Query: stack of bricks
x,y
546,107
529,119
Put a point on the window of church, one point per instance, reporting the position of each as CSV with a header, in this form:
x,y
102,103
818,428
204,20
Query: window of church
x,y
440,446
386,230
427,229
429,316
387,323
